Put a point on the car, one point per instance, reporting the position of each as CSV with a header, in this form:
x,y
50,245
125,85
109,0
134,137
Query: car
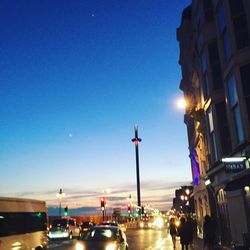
x,y
64,228
143,224
109,223
85,226
103,237
123,227
158,223
115,224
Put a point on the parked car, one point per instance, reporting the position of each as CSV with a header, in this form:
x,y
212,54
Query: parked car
x,y
64,228
105,237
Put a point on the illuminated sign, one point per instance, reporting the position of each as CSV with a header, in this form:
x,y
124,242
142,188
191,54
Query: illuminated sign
x,y
195,166
234,167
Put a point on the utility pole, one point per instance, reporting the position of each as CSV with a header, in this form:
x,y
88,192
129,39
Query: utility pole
x,y
136,141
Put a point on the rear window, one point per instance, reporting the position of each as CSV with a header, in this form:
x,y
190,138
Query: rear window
x,y
20,223
86,224
59,223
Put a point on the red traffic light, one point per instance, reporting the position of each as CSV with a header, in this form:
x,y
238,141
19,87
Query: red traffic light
x,y
102,202
129,207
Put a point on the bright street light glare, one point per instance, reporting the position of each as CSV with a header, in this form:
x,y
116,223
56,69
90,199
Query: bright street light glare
x,y
181,103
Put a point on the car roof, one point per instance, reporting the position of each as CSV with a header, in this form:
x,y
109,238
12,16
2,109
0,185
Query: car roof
x,y
63,219
87,222
105,227
109,223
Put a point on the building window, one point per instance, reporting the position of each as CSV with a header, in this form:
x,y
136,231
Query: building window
x,y
240,23
223,129
208,10
205,87
236,7
235,110
213,145
221,196
245,79
215,65
224,33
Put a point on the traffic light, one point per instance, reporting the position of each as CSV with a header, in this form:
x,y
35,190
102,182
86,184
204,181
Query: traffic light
x,y
129,208
102,203
66,212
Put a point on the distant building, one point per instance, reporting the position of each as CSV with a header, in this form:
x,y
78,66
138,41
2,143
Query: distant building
x,y
214,39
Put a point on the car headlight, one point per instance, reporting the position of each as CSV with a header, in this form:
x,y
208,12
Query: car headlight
x,y
158,223
79,246
111,246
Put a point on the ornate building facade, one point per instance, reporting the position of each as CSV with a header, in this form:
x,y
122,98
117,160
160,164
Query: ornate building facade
x,y
214,40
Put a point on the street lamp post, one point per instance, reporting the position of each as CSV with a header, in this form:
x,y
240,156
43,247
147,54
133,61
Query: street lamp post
x,y
60,195
105,196
136,141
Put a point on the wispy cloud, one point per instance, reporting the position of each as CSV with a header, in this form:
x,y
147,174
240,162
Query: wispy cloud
x,y
158,194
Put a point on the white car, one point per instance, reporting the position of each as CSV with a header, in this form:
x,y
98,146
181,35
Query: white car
x,y
64,228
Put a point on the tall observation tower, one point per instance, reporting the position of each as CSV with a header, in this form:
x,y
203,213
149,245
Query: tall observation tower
x,y
136,141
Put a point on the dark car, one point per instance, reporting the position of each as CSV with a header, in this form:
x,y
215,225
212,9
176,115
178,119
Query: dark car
x,y
109,223
86,225
144,224
105,237
115,224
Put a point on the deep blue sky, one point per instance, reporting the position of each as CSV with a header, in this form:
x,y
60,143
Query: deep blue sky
x,y
76,76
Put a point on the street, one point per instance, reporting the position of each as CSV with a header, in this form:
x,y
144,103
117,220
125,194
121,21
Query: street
x,y
137,240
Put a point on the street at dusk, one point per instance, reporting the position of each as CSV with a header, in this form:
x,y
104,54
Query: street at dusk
x,y
137,240
125,124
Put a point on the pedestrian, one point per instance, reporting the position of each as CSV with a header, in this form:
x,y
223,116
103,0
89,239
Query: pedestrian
x,y
195,227
183,231
173,231
209,233
190,230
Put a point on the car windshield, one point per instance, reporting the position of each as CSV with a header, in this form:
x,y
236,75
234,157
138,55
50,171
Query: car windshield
x,y
59,223
102,234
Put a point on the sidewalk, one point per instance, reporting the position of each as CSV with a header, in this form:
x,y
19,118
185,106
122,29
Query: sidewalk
x,y
198,245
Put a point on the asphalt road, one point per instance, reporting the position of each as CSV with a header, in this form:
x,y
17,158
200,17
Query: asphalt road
x,y
138,239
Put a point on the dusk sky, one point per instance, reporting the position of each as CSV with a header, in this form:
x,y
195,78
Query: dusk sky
x,y
76,76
